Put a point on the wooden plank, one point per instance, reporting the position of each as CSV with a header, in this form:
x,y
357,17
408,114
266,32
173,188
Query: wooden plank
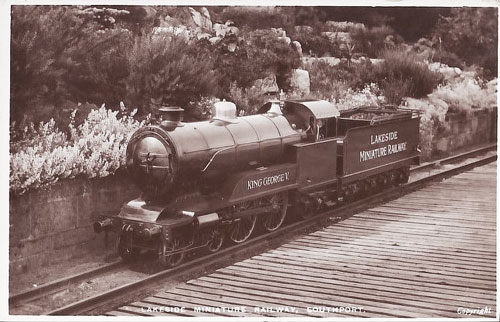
x,y
365,284
370,261
432,214
395,256
431,254
470,226
434,234
232,299
434,247
331,264
135,309
251,299
310,297
122,313
429,206
392,270
189,304
302,271
350,288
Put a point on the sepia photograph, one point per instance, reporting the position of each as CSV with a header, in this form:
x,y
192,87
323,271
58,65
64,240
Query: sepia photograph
x,y
178,161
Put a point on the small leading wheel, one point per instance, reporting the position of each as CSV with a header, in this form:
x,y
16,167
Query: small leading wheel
x,y
169,252
125,249
215,240
274,219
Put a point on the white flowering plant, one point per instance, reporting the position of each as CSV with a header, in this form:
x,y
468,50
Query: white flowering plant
x,y
370,95
461,95
96,148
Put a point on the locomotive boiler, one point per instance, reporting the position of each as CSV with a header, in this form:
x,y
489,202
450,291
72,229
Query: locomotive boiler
x,y
210,181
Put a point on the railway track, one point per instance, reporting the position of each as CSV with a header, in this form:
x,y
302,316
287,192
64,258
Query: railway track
x,y
139,282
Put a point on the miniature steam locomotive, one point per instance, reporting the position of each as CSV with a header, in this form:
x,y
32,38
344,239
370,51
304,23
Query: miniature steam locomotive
x,y
206,182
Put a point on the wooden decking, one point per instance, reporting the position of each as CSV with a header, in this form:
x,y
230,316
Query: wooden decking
x,y
431,253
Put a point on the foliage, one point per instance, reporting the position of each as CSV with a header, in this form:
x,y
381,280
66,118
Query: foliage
x,y
255,17
370,95
465,95
470,33
247,101
268,53
314,43
373,41
94,149
458,96
43,42
333,80
401,74
166,70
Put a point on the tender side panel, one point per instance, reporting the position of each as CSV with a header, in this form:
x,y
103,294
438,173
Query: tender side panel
x,y
316,163
376,146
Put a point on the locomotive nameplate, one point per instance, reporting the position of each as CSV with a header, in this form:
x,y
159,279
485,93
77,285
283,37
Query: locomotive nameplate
x,y
376,145
255,182
268,180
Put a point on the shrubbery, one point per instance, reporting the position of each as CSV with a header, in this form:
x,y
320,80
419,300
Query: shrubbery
x,y
401,75
46,155
374,41
459,96
165,70
64,55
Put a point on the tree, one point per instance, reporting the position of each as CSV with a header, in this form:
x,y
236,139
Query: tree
x,y
471,34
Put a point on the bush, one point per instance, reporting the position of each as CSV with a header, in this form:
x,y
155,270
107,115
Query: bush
x,y
96,148
314,43
254,17
472,35
401,74
165,70
370,95
270,54
374,41
333,81
247,101
465,95
456,97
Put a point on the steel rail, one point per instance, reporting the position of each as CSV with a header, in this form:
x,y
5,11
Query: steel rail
x,y
132,289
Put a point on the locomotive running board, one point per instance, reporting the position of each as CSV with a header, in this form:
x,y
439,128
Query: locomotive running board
x,y
139,210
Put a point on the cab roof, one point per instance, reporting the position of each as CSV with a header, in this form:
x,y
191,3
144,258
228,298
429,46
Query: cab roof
x,y
319,108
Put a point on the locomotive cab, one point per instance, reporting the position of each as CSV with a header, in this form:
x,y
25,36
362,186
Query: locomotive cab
x,y
317,118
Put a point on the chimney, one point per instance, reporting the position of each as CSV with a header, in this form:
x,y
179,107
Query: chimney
x,y
171,117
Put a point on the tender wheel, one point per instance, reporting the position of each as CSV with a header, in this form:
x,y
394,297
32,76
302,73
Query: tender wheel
x,y
215,240
165,247
125,249
274,219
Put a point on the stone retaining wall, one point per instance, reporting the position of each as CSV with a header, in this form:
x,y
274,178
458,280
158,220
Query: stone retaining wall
x,y
465,130
55,224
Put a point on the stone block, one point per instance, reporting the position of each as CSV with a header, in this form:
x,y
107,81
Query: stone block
x,y
443,145
73,237
474,122
39,245
19,218
85,210
53,216
59,191
18,251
